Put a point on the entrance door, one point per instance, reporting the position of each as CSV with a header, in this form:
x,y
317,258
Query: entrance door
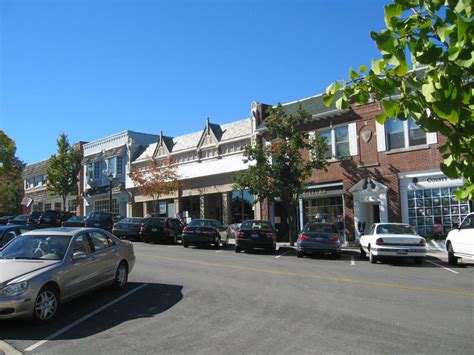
x,y
369,214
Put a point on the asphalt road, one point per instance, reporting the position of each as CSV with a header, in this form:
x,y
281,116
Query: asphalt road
x,y
204,302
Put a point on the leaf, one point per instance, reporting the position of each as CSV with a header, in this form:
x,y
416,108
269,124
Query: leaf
x,y
384,40
381,118
453,53
328,99
391,11
353,74
362,68
445,110
392,108
428,90
444,32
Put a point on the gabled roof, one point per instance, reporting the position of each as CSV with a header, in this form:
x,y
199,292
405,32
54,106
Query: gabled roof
x,y
222,134
35,169
164,141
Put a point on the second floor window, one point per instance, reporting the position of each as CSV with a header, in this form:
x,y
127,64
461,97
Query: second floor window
x,y
115,166
97,170
337,140
403,134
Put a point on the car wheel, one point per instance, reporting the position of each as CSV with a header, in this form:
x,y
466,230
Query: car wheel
x,y
299,254
271,250
46,305
419,260
175,241
363,254
217,245
451,258
373,258
237,249
186,244
121,276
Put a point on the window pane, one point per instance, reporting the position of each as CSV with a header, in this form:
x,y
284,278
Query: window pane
x,y
416,135
327,135
342,141
111,166
119,165
395,134
99,240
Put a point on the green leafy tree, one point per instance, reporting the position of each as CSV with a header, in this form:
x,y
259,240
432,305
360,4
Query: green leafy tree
x,y
63,169
426,72
278,170
11,181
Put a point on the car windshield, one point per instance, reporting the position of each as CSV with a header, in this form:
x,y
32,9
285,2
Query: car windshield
x,y
395,229
132,220
97,217
38,247
256,225
203,223
21,217
76,219
319,228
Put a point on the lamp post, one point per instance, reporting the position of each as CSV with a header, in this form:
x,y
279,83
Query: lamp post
x,y
110,178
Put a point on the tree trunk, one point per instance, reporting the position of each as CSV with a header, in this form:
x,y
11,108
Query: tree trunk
x,y
64,203
290,221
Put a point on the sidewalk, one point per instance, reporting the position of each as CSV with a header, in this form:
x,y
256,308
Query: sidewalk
x,y
7,349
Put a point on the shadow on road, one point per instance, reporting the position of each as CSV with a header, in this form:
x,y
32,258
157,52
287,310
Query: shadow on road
x,y
147,302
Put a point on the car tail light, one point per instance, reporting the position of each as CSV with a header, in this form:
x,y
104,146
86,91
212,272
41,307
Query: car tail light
x,y
269,235
379,241
303,237
422,243
187,230
335,238
240,235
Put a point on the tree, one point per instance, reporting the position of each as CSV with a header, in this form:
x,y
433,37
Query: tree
x,y
63,169
11,181
278,170
426,72
159,177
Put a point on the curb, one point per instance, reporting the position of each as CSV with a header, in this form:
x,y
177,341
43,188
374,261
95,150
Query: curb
x,y
7,349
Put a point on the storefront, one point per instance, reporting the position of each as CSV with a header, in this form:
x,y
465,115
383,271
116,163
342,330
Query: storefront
x,y
323,203
428,202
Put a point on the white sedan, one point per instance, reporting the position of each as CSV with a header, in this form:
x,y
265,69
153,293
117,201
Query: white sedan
x,y
392,240
460,241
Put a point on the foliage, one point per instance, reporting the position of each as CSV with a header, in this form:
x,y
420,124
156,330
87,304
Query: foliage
x,y
158,178
278,170
11,180
63,169
435,38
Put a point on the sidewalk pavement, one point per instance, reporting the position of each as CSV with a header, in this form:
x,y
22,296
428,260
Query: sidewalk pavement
x,y
7,349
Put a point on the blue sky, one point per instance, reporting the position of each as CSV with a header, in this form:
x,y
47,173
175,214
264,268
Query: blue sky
x,y
92,68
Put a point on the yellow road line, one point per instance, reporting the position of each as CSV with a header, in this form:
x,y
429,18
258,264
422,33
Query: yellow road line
x,y
320,277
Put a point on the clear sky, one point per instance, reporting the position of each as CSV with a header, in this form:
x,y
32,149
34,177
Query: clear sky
x,y
92,68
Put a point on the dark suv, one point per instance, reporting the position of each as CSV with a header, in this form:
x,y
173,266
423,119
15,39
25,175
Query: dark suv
x,y
104,220
33,218
53,219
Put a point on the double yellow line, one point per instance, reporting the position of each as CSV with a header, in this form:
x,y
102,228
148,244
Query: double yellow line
x,y
320,277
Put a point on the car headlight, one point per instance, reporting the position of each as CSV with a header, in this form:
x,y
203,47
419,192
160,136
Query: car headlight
x,y
14,289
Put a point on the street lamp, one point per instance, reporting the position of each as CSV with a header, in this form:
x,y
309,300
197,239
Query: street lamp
x,y
110,178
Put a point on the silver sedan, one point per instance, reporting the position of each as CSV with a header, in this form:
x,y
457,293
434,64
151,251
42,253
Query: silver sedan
x,y
43,268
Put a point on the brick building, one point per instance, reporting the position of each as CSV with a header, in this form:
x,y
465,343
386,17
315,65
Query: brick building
x,y
386,173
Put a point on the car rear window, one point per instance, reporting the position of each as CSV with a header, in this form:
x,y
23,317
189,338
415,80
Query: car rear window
x,y
395,229
320,228
256,225
133,220
203,223
157,222
76,219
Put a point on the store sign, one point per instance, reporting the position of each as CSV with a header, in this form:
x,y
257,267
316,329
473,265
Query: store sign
x,y
317,192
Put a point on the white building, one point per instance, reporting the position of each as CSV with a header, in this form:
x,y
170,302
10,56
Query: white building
x,y
106,164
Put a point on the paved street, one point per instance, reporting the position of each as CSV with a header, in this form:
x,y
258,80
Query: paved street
x,y
206,301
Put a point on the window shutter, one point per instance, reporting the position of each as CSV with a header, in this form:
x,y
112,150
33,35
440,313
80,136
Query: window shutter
x,y
380,132
353,138
431,138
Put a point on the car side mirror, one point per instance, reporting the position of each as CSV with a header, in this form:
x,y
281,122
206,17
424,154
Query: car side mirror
x,y
79,255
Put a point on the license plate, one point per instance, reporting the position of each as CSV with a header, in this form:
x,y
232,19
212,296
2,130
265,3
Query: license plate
x,y
318,239
254,235
198,231
154,229
402,252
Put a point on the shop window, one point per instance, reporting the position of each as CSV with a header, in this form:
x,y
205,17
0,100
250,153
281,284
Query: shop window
x,y
71,206
103,206
47,207
432,210
403,134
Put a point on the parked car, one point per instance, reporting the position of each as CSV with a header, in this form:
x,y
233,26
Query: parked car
x,y
394,240
74,221
33,218
51,219
318,238
8,233
67,262
255,234
104,220
204,232
4,219
18,220
128,228
460,241
159,229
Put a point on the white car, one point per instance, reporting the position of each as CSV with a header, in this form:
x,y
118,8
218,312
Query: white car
x,y
394,240
460,241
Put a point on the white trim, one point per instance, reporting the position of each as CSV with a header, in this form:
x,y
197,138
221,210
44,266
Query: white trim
x,y
352,131
380,133
431,138
320,186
